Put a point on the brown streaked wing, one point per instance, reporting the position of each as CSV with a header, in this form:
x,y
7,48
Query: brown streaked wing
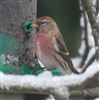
x,y
63,54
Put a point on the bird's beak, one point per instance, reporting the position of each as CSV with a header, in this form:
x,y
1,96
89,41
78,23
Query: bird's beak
x,y
35,26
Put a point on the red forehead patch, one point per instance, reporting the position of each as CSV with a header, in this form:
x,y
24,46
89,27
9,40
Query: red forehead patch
x,y
42,18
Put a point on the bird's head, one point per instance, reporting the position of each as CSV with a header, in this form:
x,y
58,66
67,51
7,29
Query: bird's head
x,y
46,24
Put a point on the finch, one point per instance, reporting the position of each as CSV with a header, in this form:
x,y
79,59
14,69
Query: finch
x,y
50,48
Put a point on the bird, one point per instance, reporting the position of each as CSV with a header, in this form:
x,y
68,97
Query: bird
x,y
49,46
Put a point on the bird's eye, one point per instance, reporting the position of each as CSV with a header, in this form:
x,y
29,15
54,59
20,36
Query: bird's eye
x,y
43,23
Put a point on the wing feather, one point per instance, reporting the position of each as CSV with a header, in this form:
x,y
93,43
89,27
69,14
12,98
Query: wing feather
x,y
62,54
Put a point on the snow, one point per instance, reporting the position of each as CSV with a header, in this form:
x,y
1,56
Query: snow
x,y
82,48
90,36
93,2
96,99
46,81
89,73
80,5
76,61
98,17
91,53
91,42
50,98
8,59
82,21
2,58
33,82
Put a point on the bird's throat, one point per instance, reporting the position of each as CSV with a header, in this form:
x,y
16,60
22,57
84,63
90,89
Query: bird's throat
x,y
43,43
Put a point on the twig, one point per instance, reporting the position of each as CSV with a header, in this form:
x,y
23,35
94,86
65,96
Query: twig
x,y
91,60
85,55
97,7
87,45
87,4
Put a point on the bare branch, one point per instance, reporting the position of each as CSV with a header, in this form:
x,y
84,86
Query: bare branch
x,y
86,51
97,6
87,4
91,60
